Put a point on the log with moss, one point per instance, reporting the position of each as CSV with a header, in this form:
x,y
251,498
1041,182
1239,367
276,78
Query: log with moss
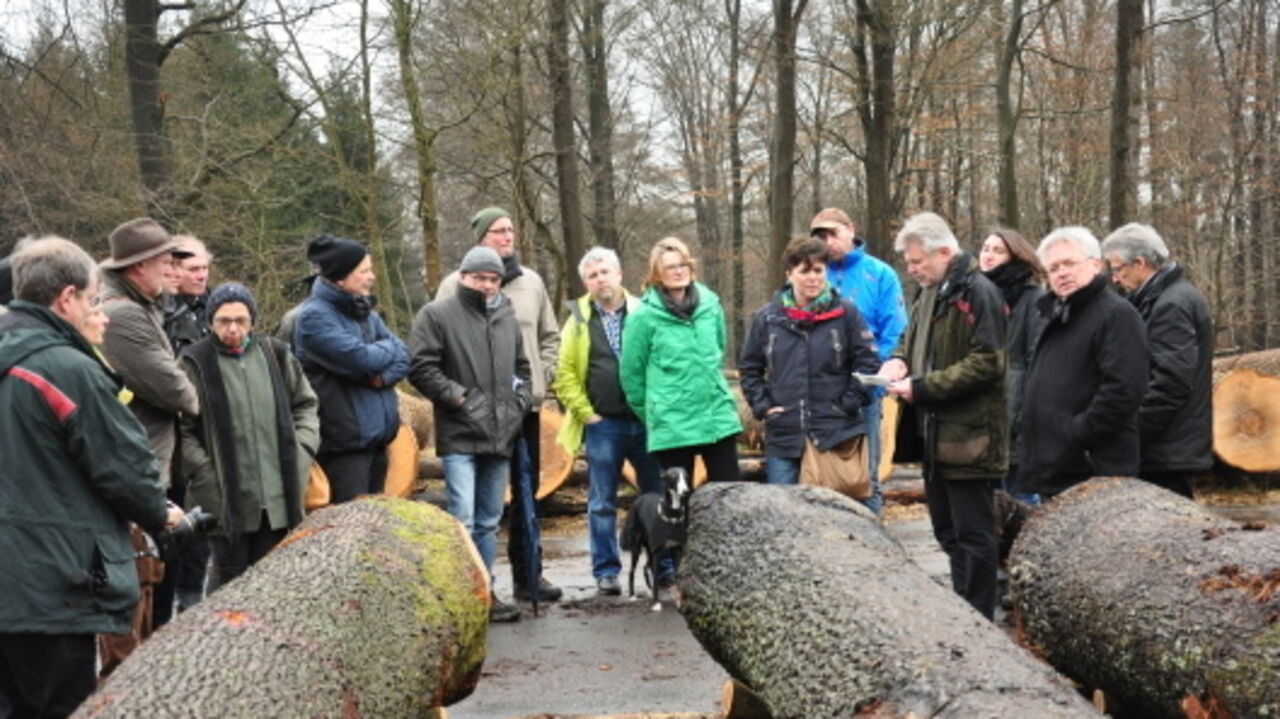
x,y
1153,599
373,608
805,600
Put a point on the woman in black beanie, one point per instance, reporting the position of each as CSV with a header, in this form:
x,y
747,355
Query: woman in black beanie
x,y
354,363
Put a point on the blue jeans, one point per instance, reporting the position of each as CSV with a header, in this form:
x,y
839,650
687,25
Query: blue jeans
x,y
871,418
781,470
607,443
476,484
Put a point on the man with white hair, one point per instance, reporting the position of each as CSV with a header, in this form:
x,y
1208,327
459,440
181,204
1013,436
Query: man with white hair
x,y
596,410
949,371
1087,376
1175,421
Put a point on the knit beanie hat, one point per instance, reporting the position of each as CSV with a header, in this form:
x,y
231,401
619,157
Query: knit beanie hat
x,y
481,259
336,256
230,292
484,219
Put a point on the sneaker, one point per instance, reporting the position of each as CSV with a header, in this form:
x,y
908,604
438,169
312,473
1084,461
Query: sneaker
x,y
609,586
547,592
500,611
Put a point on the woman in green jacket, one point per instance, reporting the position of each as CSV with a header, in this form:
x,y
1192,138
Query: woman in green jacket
x,y
672,356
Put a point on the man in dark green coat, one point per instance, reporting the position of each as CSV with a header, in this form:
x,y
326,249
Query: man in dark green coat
x,y
950,372
76,471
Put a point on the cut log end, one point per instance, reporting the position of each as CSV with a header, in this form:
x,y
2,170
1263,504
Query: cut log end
x,y
1246,419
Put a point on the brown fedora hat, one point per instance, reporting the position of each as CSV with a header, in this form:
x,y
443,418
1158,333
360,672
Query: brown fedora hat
x,y
140,239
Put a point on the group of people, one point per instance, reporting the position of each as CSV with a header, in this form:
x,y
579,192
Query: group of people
x,y
135,380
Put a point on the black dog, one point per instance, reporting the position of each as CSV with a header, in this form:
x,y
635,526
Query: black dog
x,y
656,525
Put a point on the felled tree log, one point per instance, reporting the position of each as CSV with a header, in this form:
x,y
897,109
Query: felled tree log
x,y
803,598
1153,599
1246,411
373,608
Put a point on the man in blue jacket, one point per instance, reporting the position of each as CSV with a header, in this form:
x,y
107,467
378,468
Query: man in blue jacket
x,y
77,469
353,362
876,290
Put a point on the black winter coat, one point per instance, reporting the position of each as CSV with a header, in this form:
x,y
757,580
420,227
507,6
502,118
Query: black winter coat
x,y
469,361
806,367
1175,422
1083,389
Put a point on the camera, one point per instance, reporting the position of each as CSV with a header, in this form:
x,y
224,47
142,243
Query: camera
x,y
195,523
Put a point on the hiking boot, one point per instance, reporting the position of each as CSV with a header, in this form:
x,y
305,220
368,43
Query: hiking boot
x,y
500,611
547,592
608,586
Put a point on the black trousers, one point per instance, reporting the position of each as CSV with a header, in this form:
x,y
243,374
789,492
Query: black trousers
x,y
352,474
526,466
1176,482
231,557
183,574
720,457
45,675
964,523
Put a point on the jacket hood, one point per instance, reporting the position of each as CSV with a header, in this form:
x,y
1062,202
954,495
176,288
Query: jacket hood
x,y
852,257
26,339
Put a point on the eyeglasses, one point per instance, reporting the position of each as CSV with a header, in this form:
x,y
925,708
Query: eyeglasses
x,y
675,267
224,322
501,231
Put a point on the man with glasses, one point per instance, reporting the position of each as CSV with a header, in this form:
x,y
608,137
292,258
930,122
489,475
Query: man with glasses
x,y
76,470
492,227
1086,380
469,361
1175,422
877,293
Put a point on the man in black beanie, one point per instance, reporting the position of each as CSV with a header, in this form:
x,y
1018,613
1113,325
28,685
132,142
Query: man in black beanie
x,y
354,363
492,227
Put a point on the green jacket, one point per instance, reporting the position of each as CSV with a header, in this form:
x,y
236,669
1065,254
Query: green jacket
x,y
955,350
672,375
76,470
571,373
255,435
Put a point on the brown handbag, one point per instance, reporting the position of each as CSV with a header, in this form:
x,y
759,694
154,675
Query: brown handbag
x,y
317,489
842,468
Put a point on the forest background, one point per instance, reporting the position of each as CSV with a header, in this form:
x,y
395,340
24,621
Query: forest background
x,y
256,124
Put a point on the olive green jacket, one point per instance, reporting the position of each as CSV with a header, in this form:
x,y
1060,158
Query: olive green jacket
x,y
954,348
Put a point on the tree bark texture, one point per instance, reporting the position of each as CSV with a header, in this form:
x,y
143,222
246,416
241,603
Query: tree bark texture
x,y
142,57
804,599
1148,596
1128,37
874,44
1246,411
600,123
373,608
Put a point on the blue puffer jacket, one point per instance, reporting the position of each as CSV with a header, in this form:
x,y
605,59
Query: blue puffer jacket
x,y
876,290
353,362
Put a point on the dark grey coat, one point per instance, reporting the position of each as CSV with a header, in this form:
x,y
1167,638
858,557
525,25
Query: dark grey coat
x,y
469,361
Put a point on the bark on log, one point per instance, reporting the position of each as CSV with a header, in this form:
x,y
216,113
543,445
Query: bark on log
x,y
1152,598
373,608
802,597
1246,411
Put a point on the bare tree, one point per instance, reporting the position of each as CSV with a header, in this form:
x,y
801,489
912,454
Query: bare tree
x,y
786,16
1128,40
600,123
562,127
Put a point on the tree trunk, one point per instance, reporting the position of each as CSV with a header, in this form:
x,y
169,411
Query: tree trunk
x,y
1007,118
142,53
803,598
1246,411
1128,37
377,607
733,10
403,17
600,124
1136,591
562,132
877,113
782,154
